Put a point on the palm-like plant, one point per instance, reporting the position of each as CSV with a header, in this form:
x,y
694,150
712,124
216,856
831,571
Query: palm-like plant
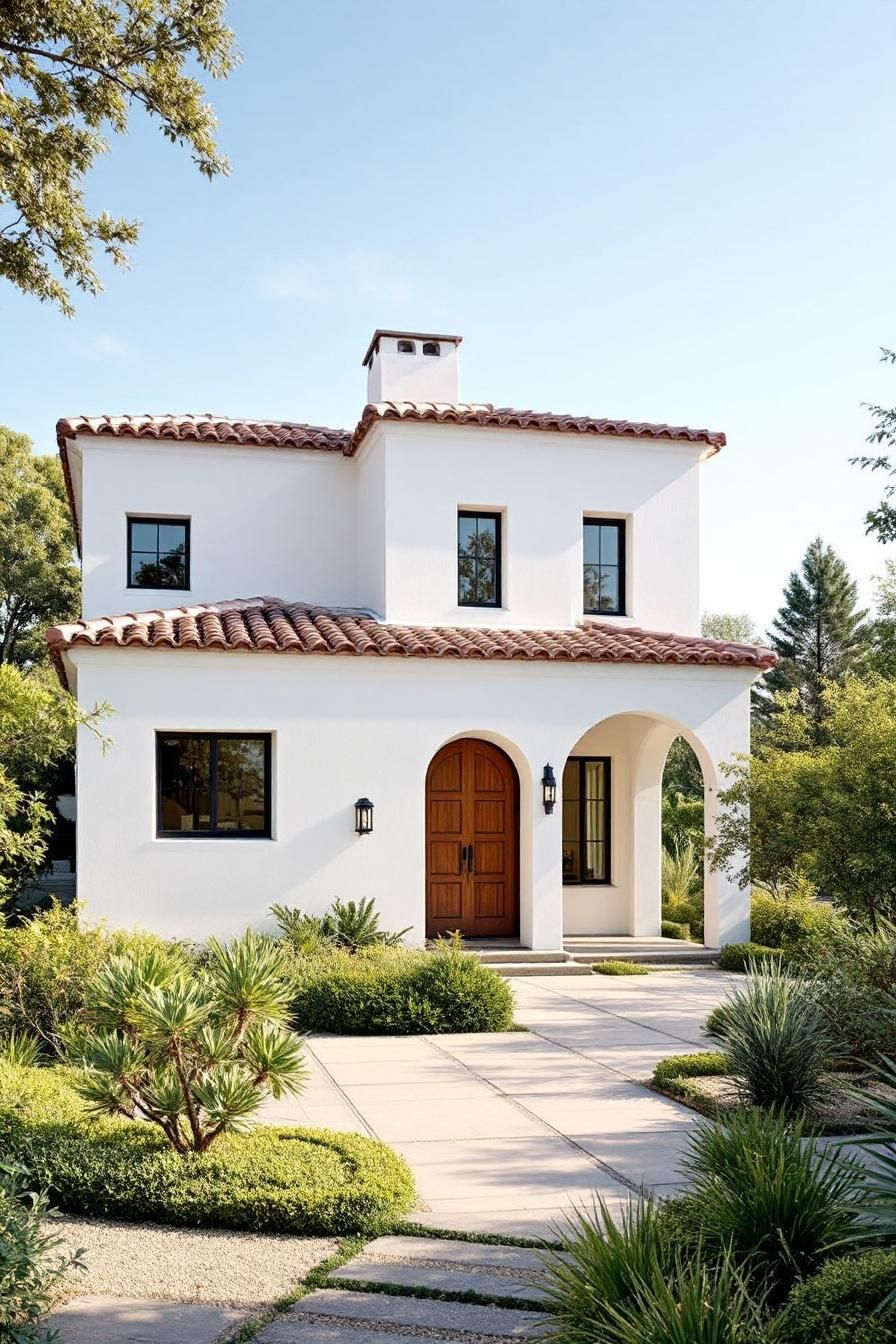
x,y
195,1054
351,925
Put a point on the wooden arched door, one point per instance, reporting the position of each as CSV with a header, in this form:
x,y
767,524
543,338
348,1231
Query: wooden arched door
x,y
472,841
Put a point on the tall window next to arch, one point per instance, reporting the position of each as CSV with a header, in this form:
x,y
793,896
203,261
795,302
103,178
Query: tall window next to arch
x,y
603,588
478,559
586,820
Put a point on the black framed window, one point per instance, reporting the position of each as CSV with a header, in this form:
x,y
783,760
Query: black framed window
x,y
604,577
586,820
214,784
478,559
158,553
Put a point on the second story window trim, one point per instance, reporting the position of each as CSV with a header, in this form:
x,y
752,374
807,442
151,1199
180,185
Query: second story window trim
x,y
158,553
603,575
479,560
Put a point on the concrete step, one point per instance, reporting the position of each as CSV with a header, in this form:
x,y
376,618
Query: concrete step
x,y
514,954
517,968
697,956
447,1267
339,1316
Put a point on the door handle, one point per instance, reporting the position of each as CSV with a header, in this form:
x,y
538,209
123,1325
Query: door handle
x,y
471,860
463,857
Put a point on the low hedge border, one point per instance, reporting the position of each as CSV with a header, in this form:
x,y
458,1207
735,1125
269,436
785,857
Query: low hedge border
x,y
670,928
840,1304
611,967
281,1179
735,956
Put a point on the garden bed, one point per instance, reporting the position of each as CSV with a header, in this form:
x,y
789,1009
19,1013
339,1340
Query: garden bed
x,y
307,1181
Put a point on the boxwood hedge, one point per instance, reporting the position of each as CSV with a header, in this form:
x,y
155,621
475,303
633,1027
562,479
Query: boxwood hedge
x,y
269,1180
841,1304
734,956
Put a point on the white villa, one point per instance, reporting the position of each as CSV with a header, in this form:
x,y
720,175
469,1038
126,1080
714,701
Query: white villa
x,y
425,660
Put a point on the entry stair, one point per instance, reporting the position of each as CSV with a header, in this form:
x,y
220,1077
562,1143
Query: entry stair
x,y
578,955
370,1300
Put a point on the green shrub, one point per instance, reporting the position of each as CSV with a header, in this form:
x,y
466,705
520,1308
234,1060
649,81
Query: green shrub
x,y
700,1064
17,1047
680,912
839,1304
669,929
759,1188
802,927
351,925
293,1180
682,867
857,977
611,967
877,1179
777,1040
635,1284
30,1260
735,956
400,992
47,963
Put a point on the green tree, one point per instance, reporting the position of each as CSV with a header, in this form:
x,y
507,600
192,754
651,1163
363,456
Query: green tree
x,y
882,628
818,633
69,71
39,580
827,809
881,522
733,627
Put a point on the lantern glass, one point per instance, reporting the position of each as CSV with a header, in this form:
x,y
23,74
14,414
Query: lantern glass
x,y
363,816
549,789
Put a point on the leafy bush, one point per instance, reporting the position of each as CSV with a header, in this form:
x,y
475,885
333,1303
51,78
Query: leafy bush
x,y
877,1180
47,963
777,1040
611,967
716,1023
759,1188
839,1304
700,1064
351,925
680,912
30,1262
400,992
802,927
195,1054
669,929
857,976
631,1284
736,956
293,1180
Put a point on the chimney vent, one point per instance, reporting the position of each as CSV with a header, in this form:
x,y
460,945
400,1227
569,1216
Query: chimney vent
x,y
412,366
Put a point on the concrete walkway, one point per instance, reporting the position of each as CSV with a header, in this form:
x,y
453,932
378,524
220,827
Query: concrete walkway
x,y
504,1132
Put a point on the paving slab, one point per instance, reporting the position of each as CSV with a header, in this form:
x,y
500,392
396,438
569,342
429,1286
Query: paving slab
x,y
624,1108
650,1159
456,1319
511,1169
446,1279
116,1320
295,1331
480,1116
456,1252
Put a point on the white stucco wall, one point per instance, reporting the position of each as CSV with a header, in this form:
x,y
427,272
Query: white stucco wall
x,y
344,727
262,521
380,529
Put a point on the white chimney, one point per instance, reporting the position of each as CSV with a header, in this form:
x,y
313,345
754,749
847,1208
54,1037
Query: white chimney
x,y
412,366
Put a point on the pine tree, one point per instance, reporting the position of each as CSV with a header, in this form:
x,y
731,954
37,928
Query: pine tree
x,y
818,633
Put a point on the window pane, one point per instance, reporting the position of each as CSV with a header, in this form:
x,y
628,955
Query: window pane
x,y
171,537
144,570
477,561
608,592
594,779
486,580
466,533
592,543
570,780
184,784
595,862
144,536
172,569
240,784
609,545
591,589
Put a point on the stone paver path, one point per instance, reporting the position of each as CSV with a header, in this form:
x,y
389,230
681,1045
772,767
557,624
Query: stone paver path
x,y
505,1132
122,1320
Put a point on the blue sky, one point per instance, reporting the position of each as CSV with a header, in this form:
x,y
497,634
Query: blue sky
x,y
663,209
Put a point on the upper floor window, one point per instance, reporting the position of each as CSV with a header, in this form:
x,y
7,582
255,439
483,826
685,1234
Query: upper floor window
x,y
478,559
158,553
603,591
214,784
431,348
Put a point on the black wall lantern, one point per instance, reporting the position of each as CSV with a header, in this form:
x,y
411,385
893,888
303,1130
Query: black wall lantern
x,y
549,789
363,816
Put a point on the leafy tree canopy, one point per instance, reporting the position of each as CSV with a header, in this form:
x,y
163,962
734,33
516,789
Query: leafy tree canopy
x,y
818,633
881,522
826,809
39,581
734,627
69,71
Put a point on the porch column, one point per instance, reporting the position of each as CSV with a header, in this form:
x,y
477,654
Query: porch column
x,y
726,904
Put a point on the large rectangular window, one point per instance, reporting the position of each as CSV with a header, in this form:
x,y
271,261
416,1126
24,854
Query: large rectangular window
x,y
603,590
478,559
586,819
158,553
214,784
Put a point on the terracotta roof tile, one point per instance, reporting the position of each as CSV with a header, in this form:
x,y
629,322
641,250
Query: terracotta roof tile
x,y
205,429
268,624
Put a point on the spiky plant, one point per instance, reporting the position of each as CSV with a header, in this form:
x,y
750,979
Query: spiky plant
x,y
777,1038
876,1179
305,933
694,1302
759,1188
680,878
194,1053
19,1048
356,924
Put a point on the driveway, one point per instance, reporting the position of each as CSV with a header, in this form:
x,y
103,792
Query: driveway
x,y
504,1132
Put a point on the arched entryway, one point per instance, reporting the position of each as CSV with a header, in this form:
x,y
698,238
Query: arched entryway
x,y
472,841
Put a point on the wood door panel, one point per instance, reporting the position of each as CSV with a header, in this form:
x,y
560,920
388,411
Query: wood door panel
x,y
472,841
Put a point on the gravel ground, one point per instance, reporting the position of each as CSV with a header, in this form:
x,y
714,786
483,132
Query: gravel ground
x,y
187,1264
